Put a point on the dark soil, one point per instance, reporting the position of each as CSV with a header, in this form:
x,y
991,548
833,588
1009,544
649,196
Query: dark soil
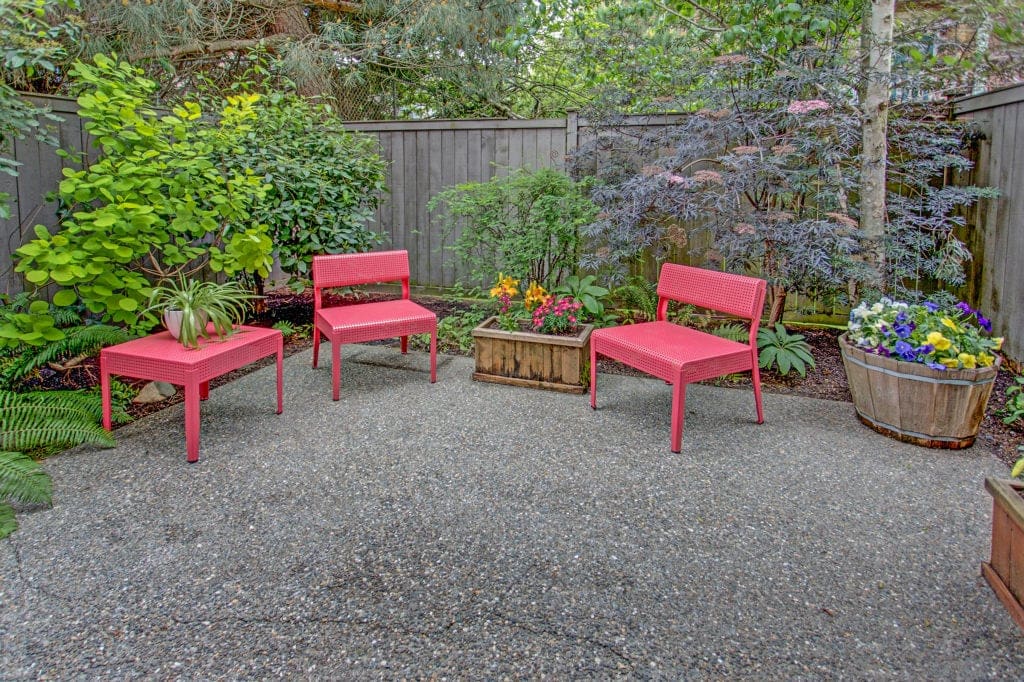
x,y
827,380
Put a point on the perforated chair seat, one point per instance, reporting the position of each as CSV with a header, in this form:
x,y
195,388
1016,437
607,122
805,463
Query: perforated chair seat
x,y
373,321
668,350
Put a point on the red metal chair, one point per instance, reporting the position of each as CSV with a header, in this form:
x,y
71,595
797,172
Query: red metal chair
x,y
681,355
367,321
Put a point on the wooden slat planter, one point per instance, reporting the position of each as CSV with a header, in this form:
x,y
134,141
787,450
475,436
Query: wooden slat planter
x,y
1005,571
915,403
557,363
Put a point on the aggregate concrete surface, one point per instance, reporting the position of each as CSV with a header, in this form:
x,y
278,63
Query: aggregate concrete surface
x,y
465,530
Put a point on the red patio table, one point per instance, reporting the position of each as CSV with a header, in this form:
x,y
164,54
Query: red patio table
x,y
160,357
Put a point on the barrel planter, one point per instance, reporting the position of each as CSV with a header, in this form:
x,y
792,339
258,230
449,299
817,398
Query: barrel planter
x,y
558,363
1005,570
915,403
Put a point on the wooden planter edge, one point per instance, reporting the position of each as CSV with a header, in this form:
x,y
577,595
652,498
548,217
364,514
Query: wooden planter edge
x,y
1006,499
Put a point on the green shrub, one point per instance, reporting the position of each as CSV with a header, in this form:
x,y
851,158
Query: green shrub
x,y
324,182
153,205
525,224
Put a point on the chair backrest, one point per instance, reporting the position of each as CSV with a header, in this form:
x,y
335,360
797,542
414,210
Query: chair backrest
x,y
725,292
350,269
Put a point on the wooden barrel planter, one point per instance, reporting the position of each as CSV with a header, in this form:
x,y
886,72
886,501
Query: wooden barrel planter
x,y
557,363
1005,570
915,403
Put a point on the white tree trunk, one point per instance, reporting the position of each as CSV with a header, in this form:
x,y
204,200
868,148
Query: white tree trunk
x,y
877,63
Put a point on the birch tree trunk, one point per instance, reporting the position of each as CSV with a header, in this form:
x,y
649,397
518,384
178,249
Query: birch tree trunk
x,y
877,63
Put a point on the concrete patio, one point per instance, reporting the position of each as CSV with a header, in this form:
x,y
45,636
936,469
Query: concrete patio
x,y
467,530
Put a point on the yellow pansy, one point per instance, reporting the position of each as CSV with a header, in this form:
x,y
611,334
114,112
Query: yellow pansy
x,y
986,360
951,324
952,363
938,341
967,360
999,342
534,296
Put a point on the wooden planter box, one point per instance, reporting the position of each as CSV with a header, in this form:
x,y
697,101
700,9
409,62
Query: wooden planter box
x,y
1005,571
915,403
557,363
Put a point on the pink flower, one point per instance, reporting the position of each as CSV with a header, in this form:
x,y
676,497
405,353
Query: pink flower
x,y
674,179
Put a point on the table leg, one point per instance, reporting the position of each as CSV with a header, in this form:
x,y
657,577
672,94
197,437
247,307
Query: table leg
x,y
105,391
192,420
280,376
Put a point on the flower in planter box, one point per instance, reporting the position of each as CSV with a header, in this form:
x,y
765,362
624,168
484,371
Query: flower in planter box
x,y
510,312
954,338
556,315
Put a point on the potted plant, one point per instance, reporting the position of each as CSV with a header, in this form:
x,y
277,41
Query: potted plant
x,y
188,306
538,341
921,373
1005,569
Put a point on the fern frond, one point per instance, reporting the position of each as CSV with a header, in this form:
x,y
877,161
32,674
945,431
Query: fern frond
x,y
639,294
88,402
31,427
66,317
50,419
7,523
81,340
23,480
732,331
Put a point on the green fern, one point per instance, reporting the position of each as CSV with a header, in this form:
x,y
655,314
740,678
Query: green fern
x,y
50,420
787,351
23,480
732,331
638,294
40,421
81,340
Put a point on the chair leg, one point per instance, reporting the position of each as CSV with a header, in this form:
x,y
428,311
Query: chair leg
x,y
433,355
316,345
678,414
593,376
757,394
335,369
405,345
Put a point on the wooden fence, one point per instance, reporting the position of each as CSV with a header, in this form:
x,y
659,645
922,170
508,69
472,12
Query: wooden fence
x,y
996,226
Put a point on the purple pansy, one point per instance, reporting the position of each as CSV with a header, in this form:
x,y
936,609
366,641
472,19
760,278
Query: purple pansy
x,y
905,351
985,323
932,307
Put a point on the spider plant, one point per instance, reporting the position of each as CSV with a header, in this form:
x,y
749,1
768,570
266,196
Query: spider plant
x,y
187,306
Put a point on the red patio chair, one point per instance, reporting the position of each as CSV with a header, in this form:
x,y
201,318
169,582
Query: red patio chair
x,y
367,321
681,355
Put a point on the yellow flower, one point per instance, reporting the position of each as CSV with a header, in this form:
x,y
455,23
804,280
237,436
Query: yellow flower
x,y
951,324
938,341
952,363
534,296
967,360
505,285
986,360
999,342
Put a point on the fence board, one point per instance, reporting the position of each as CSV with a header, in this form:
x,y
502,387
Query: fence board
x,y
997,237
